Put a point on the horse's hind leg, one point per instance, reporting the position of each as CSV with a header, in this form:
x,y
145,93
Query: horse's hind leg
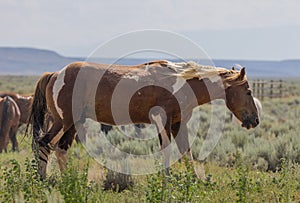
x,y
63,145
4,137
180,134
13,138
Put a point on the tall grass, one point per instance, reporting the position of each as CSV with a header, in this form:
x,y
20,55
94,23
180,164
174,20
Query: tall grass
x,y
259,165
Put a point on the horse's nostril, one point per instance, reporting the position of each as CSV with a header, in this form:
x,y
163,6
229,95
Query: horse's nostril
x,y
257,121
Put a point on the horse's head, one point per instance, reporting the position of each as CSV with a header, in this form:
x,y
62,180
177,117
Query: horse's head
x,y
240,101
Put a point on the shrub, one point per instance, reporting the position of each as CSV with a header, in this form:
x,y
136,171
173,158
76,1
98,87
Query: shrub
x,y
117,181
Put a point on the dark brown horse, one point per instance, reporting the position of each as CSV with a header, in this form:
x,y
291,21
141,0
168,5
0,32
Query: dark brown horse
x,y
163,93
10,116
23,102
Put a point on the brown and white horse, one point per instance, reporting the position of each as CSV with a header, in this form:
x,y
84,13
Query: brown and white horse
x,y
165,95
9,122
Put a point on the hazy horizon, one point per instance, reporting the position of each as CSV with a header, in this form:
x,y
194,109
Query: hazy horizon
x,y
145,57
250,30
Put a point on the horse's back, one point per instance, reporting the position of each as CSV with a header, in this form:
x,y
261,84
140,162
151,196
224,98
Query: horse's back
x,y
10,112
90,87
13,95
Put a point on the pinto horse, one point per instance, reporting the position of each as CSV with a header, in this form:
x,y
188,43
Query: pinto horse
x,y
10,116
165,94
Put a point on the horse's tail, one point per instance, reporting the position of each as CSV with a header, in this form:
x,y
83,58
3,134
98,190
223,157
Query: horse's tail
x,y
39,106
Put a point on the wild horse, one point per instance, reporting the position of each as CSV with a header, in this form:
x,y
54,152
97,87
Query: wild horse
x,y
10,116
164,93
24,105
23,102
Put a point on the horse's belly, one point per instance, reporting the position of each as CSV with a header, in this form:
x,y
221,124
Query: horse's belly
x,y
121,112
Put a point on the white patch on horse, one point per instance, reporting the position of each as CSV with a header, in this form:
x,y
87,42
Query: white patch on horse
x,y
178,84
175,66
158,122
56,138
58,85
132,77
258,107
147,67
215,78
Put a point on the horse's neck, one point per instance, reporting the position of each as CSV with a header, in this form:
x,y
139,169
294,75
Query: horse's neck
x,y
206,90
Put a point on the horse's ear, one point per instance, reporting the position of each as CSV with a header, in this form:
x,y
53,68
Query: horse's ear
x,y
242,73
232,68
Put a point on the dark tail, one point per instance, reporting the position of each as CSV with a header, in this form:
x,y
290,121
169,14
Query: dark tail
x,y
39,107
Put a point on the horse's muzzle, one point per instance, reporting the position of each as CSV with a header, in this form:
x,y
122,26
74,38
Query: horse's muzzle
x,y
250,122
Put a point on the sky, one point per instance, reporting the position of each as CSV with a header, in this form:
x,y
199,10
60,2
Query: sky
x,y
231,29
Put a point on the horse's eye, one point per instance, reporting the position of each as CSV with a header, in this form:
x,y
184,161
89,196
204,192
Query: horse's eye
x,y
249,92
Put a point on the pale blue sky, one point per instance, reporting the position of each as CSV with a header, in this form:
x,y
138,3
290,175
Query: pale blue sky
x,y
232,29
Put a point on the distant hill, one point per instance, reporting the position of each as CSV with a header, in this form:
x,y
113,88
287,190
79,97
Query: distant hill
x,y
29,61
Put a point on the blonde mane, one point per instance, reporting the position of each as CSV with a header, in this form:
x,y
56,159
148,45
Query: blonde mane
x,y
190,70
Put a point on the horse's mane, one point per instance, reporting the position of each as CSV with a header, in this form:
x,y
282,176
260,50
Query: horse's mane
x,y
190,70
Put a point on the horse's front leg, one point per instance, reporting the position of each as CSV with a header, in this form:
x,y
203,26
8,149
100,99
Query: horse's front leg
x,y
64,144
44,147
164,134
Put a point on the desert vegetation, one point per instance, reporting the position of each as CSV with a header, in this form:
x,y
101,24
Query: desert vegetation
x,y
259,165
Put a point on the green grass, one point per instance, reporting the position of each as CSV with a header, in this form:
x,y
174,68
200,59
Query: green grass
x,y
19,84
260,165
239,183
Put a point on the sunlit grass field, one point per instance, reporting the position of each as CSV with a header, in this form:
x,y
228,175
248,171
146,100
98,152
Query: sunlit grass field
x,y
259,165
